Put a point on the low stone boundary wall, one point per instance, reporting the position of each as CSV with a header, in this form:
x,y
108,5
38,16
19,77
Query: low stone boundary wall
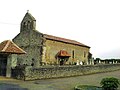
x,y
45,72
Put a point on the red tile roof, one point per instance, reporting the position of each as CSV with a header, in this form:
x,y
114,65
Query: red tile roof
x,y
10,47
64,40
63,53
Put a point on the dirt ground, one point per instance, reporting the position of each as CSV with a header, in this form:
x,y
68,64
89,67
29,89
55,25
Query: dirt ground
x,y
56,84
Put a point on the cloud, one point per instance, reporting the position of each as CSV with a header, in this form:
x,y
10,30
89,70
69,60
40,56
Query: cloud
x,y
111,54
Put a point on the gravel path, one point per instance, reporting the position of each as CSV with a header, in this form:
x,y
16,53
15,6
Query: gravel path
x,y
57,84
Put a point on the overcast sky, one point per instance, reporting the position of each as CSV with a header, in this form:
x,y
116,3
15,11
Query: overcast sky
x,y
95,23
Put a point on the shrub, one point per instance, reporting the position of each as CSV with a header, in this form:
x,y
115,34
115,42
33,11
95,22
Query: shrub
x,y
110,83
87,87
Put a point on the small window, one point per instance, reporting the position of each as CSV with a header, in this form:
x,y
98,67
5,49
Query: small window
x,y
32,64
84,54
28,25
24,25
73,54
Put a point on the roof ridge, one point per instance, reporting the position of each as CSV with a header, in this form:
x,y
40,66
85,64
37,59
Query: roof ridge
x,y
60,37
6,46
9,46
17,46
65,40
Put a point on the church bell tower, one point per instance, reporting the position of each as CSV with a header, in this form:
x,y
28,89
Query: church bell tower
x,y
28,22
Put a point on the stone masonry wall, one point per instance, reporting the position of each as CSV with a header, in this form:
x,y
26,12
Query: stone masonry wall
x,y
31,42
45,72
53,47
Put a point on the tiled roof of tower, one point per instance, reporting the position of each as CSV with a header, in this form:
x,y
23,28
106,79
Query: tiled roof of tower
x,y
10,47
28,14
64,40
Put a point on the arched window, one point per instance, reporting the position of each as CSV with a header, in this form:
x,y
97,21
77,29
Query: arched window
x,y
73,54
84,54
24,25
28,25
33,60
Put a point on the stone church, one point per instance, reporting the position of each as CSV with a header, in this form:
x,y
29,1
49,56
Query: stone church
x,y
44,49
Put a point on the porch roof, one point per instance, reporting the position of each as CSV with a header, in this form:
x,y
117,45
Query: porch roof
x,y
10,47
63,53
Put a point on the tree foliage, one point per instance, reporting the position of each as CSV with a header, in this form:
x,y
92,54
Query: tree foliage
x,y
110,83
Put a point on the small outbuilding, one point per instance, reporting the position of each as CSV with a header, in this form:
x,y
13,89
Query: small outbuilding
x,y
8,57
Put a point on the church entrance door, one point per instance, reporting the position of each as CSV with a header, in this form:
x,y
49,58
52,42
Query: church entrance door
x,y
63,57
63,60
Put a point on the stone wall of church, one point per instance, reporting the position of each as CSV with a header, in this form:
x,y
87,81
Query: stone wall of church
x,y
30,73
53,47
30,41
